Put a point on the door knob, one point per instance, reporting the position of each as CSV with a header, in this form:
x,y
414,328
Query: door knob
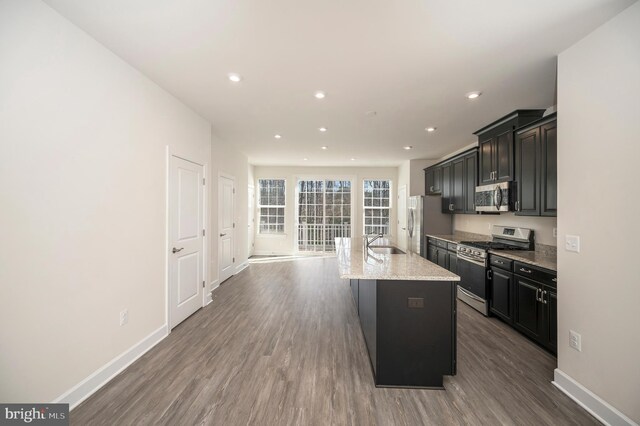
x,y
175,250
222,235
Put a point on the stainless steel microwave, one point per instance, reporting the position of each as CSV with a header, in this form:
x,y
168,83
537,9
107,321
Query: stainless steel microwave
x,y
493,198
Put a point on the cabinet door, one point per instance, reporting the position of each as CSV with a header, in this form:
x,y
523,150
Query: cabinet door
x,y
443,258
453,262
549,175
432,253
528,168
501,294
457,185
428,181
487,161
446,188
504,157
437,179
528,310
551,326
470,182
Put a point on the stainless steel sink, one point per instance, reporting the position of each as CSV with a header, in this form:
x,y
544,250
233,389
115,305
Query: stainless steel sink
x,y
386,250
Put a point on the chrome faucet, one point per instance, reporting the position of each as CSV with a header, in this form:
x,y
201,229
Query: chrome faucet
x,y
370,241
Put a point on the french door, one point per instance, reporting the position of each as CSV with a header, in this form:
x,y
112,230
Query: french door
x,y
323,211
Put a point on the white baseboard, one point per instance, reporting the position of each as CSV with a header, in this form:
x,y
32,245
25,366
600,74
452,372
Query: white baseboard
x,y
596,406
208,298
214,284
272,253
241,267
104,374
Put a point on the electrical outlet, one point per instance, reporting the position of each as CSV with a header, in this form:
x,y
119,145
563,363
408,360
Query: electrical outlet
x,y
415,302
572,243
489,226
575,340
124,316
555,232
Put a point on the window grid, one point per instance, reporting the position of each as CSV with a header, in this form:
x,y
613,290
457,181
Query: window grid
x,y
377,206
271,205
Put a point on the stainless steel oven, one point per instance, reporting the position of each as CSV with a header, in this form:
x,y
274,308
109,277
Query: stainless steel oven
x,y
472,289
495,197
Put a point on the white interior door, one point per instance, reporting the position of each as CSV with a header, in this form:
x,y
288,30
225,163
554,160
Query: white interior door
x,y
402,217
226,225
186,228
252,218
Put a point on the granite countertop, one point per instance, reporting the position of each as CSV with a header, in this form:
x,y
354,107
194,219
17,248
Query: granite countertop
x,y
356,262
543,256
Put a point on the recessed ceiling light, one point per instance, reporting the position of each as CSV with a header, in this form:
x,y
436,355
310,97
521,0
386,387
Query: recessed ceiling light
x,y
322,129
277,136
353,159
325,147
408,147
473,95
320,94
305,159
431,129
235,77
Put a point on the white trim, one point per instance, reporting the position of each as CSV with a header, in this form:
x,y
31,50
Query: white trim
x,y
241,267
233,216
208,298
214,285
104,374
274,253
592,403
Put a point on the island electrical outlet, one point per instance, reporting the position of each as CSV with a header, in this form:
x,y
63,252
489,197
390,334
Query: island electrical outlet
x,y
415,302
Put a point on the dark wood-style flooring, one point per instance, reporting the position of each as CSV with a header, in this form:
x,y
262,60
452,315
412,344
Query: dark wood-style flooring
x,y
281,345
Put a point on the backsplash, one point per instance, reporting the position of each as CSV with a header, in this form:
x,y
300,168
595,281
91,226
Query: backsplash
x,y
481,224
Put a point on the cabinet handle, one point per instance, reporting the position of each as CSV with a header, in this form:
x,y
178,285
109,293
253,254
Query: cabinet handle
x,y
431,189
555,280
451,207
528,271
489,274
544,293
517,206
499,261
538,291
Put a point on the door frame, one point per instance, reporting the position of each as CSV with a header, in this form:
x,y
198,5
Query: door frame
x,y
251,216
403,244
233,229
206,293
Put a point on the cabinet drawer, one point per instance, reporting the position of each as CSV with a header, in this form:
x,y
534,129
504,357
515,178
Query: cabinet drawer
x,y
441,243
501,262
532,272
452,246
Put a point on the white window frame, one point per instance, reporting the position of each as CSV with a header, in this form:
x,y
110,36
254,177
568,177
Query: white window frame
x,y
259,208
390,207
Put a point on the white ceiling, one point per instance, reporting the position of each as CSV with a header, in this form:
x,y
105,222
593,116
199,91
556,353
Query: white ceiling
x,y
410,61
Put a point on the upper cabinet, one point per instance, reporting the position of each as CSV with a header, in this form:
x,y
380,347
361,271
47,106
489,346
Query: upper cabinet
x,y
536,168
455,180
495,143
433,182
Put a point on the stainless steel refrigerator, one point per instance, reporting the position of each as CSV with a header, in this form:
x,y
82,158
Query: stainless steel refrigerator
x,y
424,216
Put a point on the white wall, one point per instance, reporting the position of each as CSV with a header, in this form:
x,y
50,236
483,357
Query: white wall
x,y
285,244
598,174
83,184
225,159
481,224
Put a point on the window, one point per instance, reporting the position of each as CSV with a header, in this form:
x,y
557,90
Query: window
x,y
324,213
377,206
271,205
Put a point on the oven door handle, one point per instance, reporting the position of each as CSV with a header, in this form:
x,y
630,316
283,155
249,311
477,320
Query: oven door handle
x,y
467,259
470,295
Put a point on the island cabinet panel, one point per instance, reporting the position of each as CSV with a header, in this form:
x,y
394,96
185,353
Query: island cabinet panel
x,y
354,291
367,310
409,329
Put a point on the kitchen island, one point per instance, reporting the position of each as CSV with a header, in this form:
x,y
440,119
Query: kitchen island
x,y
407,311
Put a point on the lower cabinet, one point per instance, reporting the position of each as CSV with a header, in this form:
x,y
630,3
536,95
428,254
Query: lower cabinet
x,y
443,258
526,298
442,253
500,302
453,261
409,328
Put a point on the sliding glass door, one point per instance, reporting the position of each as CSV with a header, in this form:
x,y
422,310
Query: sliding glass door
x,y
323,213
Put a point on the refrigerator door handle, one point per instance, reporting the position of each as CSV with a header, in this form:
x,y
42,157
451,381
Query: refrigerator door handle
x,y
410,223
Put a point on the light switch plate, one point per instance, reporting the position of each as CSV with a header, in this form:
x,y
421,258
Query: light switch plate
x,y
575,340
572,243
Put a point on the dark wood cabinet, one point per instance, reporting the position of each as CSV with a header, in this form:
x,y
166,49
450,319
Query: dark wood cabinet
x,y
536,307
496,150
549,173
457,185
500,301
433,180
443,258
409,346
470,182
536,169
452,261
432,253
446,192
354,291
